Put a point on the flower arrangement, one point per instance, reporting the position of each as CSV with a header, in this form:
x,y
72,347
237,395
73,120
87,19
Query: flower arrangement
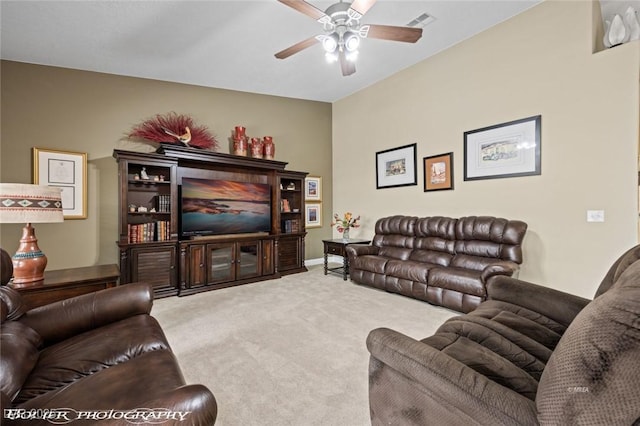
x,y
348,221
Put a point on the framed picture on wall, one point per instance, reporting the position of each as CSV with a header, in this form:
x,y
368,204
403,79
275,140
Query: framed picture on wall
x,y
504,150
438,172
68,171
313,188
313,215
396,167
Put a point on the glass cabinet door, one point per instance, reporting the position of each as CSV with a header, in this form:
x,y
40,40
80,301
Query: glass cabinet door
x,y
248,260
221,263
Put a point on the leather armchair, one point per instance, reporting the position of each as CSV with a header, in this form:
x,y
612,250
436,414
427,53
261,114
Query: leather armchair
x,y
93,353
529,355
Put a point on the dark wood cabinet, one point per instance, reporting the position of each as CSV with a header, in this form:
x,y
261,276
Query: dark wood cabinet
x,y
224,263
290,254
154,263
152,248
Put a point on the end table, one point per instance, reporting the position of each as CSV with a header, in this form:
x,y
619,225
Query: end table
x,y
337,247
64,283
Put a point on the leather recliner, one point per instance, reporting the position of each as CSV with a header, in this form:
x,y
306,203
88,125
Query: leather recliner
x,y
529,355
99,356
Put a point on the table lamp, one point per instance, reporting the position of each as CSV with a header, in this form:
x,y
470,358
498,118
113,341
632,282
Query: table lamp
x,y
24,203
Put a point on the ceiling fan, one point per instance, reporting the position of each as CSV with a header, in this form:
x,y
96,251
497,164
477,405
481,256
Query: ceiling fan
x,y
343,31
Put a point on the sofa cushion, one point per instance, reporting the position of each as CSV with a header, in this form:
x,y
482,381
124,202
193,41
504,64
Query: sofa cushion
x,y
430,256
462,280
88,353
537,326
19,345
395,236
401,253
408,270
490,236
485,361
593,375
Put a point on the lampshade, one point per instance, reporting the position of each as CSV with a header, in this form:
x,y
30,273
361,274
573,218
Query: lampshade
x,y
24,203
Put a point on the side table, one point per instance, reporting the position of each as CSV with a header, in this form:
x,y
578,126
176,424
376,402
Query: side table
x,y
337,247
64,283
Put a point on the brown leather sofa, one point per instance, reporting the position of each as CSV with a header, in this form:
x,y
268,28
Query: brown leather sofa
x,y
529,355
441,260
99,358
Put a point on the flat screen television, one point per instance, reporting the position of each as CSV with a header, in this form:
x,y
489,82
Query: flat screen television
x,y
217,207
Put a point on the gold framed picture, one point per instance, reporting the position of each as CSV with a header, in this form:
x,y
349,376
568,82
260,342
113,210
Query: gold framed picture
x,y
313,215
313,188
66,170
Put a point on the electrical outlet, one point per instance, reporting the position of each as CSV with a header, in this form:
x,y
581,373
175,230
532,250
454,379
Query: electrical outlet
x,y
595,215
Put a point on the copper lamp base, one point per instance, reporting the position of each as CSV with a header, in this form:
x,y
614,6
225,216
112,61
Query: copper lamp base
x,y
28,262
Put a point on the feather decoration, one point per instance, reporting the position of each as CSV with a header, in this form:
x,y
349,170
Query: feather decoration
x,y
177,129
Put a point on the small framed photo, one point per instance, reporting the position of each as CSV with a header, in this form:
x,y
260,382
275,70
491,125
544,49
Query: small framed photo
x,y
313,215
504,150
438,172
68,171
313,188
396,167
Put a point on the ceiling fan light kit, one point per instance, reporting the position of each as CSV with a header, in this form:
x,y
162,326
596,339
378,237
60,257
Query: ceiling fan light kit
x,y
343,31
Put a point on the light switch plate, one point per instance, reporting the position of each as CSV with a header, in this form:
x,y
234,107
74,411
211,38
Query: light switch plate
x,y
595,215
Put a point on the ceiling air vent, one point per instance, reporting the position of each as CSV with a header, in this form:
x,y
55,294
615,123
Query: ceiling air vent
x,y
421,21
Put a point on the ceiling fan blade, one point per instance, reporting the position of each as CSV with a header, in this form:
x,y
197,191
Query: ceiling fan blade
x,y
347,66
362,6
306,8
389,32
296,48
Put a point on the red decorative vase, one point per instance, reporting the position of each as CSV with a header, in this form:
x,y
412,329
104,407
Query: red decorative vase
x,y
256,148
240,146
240,132
269,149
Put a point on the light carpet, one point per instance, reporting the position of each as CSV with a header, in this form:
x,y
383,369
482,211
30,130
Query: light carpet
x,y
289,351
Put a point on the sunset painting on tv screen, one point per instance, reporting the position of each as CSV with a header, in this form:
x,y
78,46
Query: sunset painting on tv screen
x,y
214,207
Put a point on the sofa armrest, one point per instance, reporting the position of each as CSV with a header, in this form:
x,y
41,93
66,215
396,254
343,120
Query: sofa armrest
x,y
60,320
557,305
186,405
195,403
456,389
503,267
361,250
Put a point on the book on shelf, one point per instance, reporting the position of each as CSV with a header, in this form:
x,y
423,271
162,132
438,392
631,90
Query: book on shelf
x,y
291,226
148,232
164,203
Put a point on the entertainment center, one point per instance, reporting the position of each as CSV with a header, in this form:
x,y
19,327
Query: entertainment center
x,y
192,220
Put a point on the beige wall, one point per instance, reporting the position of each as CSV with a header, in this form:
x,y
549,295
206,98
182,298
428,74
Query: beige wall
x,y
90,112
539,62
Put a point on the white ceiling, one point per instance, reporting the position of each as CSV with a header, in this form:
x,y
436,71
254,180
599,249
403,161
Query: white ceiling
x,y
230,44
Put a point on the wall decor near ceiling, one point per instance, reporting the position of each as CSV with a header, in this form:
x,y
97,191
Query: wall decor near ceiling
x,y
438,172
65,170
396,167
313,188
504,150
175,129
